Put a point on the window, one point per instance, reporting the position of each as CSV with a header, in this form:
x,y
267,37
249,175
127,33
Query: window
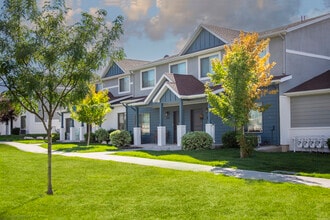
x,y
206,65
98,87
255,121
179,68
121,121
264,52
148,79
145,123
124,84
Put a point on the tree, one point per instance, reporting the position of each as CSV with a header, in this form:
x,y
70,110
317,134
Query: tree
x,y
9,111
92,109
46,63
244,76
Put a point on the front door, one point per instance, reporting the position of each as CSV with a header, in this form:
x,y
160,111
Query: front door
x,y
196,120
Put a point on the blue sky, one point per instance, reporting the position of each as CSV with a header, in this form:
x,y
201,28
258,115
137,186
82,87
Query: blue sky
x,y
154,28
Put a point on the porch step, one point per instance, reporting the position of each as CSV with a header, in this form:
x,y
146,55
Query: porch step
x,y
273,148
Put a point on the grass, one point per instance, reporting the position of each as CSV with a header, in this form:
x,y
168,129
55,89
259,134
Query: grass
x,y
80,147
307,164
92,189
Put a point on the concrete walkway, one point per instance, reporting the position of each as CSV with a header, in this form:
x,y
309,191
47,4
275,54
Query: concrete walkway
x,y
246,174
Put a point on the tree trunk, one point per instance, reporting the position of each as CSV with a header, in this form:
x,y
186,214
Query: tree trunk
x,y
242,143
88,134
49,138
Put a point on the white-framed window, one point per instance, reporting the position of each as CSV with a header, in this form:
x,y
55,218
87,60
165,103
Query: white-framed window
x,y
178,68
145,123
264,52
205,65
98,87
255,121
124,84
148,78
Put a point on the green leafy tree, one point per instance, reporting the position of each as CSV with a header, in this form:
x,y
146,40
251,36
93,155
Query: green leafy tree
x,y
9,111
245,76
92,110
46,63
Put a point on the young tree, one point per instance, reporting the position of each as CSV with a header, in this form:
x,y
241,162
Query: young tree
x,y
46,63
244,76
92,109
9,111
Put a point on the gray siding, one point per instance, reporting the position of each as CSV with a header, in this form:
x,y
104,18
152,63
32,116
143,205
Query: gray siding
x,y
310,39
204,40
277,54
310,111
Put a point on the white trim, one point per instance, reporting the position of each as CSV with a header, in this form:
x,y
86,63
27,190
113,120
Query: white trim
x,y
283,79
321,18
141,82
178,62
111,87
310,92
129,85
199,63
307,54
152,93
181,57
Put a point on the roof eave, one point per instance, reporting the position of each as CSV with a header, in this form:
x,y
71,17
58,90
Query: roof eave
x,y
308,92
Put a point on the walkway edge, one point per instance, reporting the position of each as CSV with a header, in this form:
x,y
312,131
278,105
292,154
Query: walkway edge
x,y
245,174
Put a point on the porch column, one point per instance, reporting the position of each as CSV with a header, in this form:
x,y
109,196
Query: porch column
x,y
161,130
81,132
209,128
62,131
72,131
181,128
137,130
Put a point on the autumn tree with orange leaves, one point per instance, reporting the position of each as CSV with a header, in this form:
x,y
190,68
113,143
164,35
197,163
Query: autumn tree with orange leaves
x,y
245,76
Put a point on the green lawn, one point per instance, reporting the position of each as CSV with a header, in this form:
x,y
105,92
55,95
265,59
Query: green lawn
x,y
307,164
92,189
80,147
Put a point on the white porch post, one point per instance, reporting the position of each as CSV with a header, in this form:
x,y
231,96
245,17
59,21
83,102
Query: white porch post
x,y
161,135
137,136
181,130
209,128
72,133
62,134
81,133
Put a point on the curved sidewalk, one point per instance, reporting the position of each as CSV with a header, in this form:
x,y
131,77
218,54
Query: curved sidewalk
x,y
245,174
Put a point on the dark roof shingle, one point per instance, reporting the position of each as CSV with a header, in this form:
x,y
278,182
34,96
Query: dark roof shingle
x,y
319,82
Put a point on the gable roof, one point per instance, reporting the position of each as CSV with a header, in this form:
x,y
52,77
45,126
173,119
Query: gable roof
x,y
224,34
125,65
293,26
320,83
185,85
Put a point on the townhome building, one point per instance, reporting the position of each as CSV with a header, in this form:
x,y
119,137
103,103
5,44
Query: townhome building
x,y
159,101
167,95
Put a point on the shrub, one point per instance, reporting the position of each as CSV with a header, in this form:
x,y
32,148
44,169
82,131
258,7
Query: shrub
x,y
102,135
196,140
92,137
120,138
15,131
55,137
229,140
251,141
328,143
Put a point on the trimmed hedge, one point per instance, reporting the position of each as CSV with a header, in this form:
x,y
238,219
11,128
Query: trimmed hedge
x,y
229,140
120,138
196,140
102,135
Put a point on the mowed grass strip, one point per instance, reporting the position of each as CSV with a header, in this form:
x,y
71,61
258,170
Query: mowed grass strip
x,y
93,189
80,147
307,164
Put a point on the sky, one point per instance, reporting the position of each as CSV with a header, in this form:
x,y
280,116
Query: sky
x,y
155,28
